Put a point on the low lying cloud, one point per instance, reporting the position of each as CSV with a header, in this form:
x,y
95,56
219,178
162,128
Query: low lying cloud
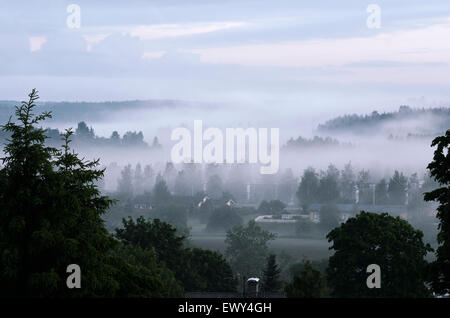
x,y
160,31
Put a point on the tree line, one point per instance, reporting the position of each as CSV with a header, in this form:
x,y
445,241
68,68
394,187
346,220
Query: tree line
x,y
368,123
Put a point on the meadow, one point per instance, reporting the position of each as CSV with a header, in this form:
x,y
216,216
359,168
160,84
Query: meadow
x,y
297,248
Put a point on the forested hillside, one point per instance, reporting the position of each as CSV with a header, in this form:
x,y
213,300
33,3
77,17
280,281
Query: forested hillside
x,y
417,122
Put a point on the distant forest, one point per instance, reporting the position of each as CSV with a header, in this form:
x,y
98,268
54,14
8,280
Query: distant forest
x,y
85,136
92,111
316,141
370,123
426,123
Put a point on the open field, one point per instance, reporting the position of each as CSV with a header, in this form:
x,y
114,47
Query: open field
x,y
298,248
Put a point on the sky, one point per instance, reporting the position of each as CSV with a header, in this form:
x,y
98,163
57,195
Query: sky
x,y
307,58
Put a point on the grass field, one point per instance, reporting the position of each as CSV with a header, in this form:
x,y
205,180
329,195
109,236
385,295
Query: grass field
x,y
312,249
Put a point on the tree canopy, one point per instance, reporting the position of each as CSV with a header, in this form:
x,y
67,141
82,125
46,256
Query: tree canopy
x,y
195,269
440,170
222,219
247,248
391,243
307,283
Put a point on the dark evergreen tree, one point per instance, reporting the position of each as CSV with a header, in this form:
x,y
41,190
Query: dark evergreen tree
x,y
381,193
365,193
328,191
271,275
347,184
27,225
125,185
161,194
50,217
397,188
308,188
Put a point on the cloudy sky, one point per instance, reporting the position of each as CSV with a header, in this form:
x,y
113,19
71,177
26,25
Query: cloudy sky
x,y
315,57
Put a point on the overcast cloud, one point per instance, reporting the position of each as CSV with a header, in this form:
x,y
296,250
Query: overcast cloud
x,y
316,58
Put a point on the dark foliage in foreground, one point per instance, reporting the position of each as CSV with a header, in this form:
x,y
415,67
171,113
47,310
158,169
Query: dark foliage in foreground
x,y
391,243
196,269
50,217
440,170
